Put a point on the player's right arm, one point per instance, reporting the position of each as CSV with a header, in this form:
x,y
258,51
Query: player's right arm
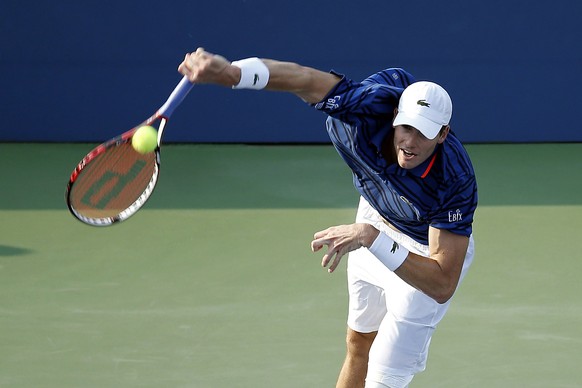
x,y
309,84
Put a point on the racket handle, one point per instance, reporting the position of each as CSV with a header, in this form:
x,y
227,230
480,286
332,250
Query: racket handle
x,y
180,92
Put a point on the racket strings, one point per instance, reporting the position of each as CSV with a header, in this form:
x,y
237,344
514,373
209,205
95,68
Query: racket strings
x,y
111,183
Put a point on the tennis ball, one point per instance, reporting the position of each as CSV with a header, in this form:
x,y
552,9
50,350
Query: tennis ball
x,y
145,139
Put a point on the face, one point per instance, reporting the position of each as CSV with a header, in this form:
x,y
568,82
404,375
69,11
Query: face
x,y
412,147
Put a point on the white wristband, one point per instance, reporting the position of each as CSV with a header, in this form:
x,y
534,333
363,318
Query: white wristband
x,y
254,74
389,252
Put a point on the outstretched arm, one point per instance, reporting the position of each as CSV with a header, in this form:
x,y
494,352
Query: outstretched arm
x,y
309,84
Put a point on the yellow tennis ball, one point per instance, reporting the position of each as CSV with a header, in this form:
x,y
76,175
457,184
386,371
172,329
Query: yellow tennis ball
x,y
145,139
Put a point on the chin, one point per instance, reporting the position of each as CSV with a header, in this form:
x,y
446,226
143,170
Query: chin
x,y
407,164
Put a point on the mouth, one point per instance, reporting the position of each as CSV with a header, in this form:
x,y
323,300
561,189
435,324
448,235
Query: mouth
x,y
407,153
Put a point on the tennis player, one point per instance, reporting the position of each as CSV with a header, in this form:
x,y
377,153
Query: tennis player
x,y
411,244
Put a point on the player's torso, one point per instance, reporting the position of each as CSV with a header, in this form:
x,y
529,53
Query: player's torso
x,y
407,199
386,195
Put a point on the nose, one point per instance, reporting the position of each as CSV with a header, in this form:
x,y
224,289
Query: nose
x,y
412,137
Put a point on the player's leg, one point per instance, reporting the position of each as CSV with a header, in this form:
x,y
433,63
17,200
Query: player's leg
x,y
355,367
366,309
401,346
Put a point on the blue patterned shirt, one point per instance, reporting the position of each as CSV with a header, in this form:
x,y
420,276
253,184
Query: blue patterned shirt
x,y
441,192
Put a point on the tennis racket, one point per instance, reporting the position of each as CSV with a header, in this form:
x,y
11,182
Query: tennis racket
x,y
114,181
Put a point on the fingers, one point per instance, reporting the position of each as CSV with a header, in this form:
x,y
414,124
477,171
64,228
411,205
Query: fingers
x,y
202,67
332,259
326,258
335,263
339,240
334,253
194,63
321,238
185,68
321,233
319,243
331,232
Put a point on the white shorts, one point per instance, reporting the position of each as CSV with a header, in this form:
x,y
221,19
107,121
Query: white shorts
x,y
379,300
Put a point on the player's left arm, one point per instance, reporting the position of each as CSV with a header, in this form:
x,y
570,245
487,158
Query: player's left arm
x,y
448,241
438,275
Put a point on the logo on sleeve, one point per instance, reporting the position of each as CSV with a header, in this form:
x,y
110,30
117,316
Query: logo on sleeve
x,y
455,216
332,103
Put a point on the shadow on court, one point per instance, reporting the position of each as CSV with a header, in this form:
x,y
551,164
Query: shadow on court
x,y
6,250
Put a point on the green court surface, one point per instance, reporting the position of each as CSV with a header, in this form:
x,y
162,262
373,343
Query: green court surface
x,y
213,284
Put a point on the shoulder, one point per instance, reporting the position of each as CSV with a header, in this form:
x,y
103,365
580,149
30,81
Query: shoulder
x,y
390,81
456,189
455,161
393,76
454,177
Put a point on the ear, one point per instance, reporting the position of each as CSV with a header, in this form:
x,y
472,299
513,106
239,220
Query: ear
x,y
443,133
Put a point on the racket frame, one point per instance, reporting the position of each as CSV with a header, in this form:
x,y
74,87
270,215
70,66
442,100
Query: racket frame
x,y
163,114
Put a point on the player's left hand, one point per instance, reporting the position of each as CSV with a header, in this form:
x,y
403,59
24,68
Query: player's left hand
x,y
340,240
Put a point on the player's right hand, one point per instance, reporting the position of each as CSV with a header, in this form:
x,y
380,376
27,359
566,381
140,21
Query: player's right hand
x,y
202,67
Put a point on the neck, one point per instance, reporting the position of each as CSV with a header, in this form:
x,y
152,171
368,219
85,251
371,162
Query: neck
x,y
388,151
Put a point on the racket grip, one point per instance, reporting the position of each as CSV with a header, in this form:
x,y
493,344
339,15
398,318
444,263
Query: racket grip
x,y
178,94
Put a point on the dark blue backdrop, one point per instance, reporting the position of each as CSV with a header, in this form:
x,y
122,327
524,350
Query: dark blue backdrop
x,y
87,70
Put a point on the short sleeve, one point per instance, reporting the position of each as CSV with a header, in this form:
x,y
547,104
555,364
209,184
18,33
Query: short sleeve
x,y
456,212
